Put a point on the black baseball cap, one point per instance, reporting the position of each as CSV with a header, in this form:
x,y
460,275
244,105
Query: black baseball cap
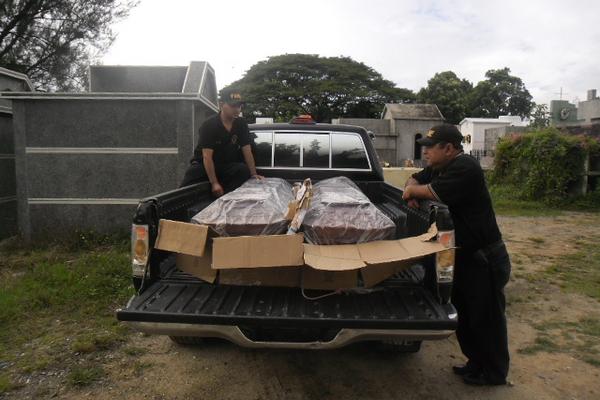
x,y
441,133
231,96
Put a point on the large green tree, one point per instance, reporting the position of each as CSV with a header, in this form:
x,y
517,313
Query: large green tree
x,y
449,93
53,41
287,85
500,94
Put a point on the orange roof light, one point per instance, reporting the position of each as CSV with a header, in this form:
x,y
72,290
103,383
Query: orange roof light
x,y
303,119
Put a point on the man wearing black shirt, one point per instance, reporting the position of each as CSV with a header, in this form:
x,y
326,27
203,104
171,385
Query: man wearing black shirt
x,y
482,265
223,155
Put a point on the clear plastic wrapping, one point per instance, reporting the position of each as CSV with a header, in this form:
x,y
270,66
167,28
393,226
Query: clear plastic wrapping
x,y
341,214
258,207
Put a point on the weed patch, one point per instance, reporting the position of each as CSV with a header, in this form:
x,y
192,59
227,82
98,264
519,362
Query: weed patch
x,y
85,375
55,301
578,272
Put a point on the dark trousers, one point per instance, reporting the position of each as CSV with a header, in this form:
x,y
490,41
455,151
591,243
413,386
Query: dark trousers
x,y
231,176
478,295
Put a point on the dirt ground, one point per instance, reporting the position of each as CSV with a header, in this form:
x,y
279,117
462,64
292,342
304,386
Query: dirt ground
x,y
164,370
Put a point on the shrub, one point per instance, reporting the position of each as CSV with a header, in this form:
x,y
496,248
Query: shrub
x,y
542,165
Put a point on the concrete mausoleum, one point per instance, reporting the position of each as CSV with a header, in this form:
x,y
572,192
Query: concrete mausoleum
x,y
398,130
84,160
10,81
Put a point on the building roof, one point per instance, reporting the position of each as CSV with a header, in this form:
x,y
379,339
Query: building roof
x,y
18,76
485,121
413,111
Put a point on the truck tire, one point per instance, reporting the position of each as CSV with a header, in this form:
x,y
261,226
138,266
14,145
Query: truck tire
x,y
400,346
187,340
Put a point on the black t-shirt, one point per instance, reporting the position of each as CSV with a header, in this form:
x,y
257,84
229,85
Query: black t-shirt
x,y
461,186
226,145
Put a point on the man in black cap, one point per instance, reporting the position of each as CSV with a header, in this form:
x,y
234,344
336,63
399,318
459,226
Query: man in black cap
x,y
482,265
223,155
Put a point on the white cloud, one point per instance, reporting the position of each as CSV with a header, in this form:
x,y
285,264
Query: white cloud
x,y
549,44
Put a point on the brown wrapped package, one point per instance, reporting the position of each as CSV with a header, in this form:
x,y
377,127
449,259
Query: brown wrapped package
x,y
258,207
341,214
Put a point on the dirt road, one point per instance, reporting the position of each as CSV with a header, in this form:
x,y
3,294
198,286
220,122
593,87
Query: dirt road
x,y
538,306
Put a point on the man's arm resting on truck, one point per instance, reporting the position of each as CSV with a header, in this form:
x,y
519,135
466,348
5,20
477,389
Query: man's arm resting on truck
x,y
249,158
209,167
414,191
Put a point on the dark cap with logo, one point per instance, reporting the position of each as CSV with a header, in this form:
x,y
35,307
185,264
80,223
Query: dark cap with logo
x,y
231,96
441,133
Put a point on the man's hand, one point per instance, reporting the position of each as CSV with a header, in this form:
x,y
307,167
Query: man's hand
x,y
413,193
407,196
217,189
259,177
413,203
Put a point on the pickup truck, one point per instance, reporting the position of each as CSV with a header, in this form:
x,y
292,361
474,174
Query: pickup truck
x,y
402,311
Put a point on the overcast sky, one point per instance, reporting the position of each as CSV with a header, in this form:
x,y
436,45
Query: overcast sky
x,y
549,44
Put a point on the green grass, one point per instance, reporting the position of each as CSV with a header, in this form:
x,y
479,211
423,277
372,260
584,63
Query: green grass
x,y
580,339
579,272
81,376
134,351
58,299
6,383
507,202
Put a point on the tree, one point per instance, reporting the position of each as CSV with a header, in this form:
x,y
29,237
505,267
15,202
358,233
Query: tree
x,y
287,85
500,94
540,116
53,41
449,93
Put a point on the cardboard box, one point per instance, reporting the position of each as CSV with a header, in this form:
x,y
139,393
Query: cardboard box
x,y
284,260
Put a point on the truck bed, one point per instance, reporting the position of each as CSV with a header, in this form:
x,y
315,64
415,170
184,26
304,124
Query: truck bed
x,y
176,303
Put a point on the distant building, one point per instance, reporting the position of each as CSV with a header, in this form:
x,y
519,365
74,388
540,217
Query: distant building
x,y
396,133
473,130
567,115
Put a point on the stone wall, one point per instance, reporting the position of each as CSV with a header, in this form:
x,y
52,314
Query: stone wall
x,y
8,188
84,161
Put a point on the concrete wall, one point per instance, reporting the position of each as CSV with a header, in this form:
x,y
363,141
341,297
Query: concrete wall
x,y
588,110
83,162
10,81
8,188
137,79
476,130
492,135
407,130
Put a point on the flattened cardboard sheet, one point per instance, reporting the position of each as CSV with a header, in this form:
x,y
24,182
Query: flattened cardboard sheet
x,y
258,251
197,266
182,237
342,257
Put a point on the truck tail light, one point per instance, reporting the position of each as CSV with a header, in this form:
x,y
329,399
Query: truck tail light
x,y
139,249
444,260
444,266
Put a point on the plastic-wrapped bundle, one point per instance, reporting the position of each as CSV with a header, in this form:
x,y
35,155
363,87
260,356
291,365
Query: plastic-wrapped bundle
x,y
258,207
341,214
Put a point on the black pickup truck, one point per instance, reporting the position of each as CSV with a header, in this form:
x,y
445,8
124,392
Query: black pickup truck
x,y
402,311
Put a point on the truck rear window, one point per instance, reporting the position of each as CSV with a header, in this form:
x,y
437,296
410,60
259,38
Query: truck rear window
x,y
348,152
310,150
